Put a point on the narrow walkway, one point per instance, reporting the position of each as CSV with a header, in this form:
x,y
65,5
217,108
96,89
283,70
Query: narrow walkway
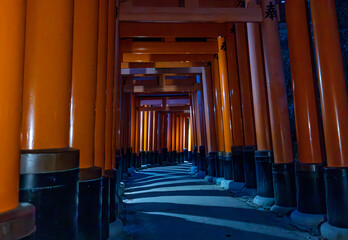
x,y
167,203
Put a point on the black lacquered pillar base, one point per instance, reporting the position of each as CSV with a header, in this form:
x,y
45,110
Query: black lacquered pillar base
x,y
186,155
264,178
310,187
220,164
111,174
142,158
336,185
203,160
105,207
49,181
147,157
249,166
164,156
156,157
212,164
284,185
237,164
227,166
18,223
195,156
174,157
90,204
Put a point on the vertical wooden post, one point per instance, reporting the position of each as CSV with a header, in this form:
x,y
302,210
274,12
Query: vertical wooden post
x,y
169,132
225,97
233,77
84,80
12,13
99,133
245,85
217,106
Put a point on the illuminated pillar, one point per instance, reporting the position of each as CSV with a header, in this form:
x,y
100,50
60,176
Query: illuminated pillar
x,y
141,139
137,132
133,121
150,131
334,105
169,132
217,107
278,110
177,133
12,13
225,97
236,112
46,115
309,174
99,134
245,85
263,155
145,130
110,84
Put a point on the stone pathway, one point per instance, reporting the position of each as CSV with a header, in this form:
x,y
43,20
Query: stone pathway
x,y
167,203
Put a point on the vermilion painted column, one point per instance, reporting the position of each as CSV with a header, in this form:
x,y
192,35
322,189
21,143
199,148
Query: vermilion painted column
x,y
193,118
145,130
278,109
116,128
164,132
309,174
137,131
11,59
334,105
99,133
198,121
141,139
110,84
133,121
209,109
236,112
184,133
263,155
225,97
169,132
217,106
46,113
12,13
180,133
245,85
262,126
173,132
84,80
177,133
46,118
159,129
150,131
332,87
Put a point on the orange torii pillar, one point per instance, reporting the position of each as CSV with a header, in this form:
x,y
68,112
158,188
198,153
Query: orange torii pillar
x,y
12,213
236,111
150,136
185,136
137,140
158,136
309,169
218,117
193,121
248,153
226,113
164,138
169,137
283,167
334,105
46,116
133,120
110,85
141,137
263,155
114,27
173,157
82,119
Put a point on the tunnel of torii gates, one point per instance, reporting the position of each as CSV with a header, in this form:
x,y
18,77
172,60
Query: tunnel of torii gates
x,y
91,88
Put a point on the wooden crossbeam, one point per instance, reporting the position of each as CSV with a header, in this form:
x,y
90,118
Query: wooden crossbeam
x,y
128,46
162,89
164,65
189,14
183,30
132,57
166,109
188,70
